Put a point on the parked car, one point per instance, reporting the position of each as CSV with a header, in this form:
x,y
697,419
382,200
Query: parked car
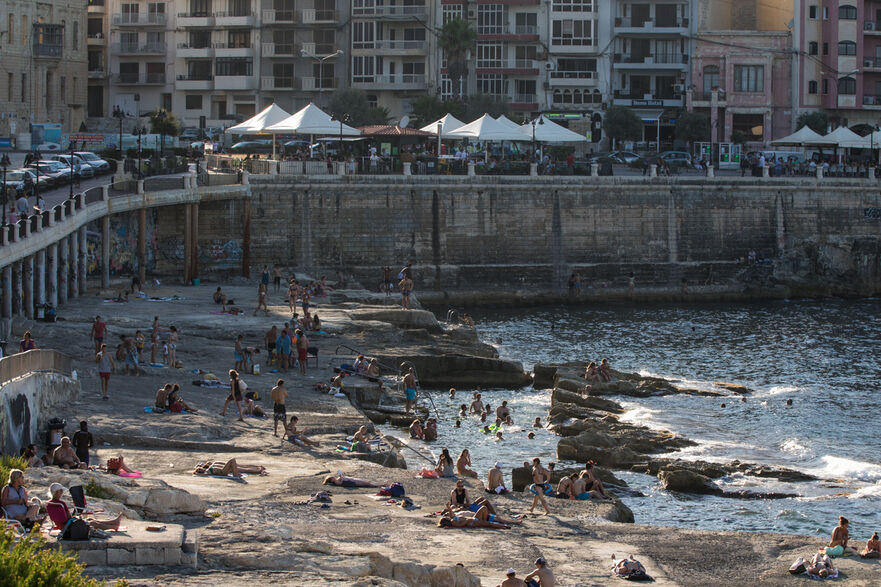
x,y
191,133
601,157
60,167
80,167
14,180
51,172
41,180
628,157
98,164
676,158
258,146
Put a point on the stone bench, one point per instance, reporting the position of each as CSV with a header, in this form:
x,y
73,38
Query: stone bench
x,y
174,546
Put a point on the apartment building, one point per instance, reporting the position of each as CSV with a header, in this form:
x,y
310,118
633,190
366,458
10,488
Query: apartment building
x,y
42,66
215,61
838,60
650,70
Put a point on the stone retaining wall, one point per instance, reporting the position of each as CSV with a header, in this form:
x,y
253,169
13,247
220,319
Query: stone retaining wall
x,y
26,406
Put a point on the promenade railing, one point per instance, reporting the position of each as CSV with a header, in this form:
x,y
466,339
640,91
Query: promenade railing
x,y
20,364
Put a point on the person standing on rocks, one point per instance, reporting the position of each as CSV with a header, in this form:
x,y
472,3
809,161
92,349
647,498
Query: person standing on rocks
x,y
264,277
541,576
276,277
283,348
105,366
261,298
155,341
406,287
235,394
99,331
540,478
409,390
172,346
279,412
302,349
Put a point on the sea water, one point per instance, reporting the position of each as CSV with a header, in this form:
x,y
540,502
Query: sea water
x,y
823,355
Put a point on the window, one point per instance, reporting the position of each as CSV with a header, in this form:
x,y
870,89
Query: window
x,y
24,29
10,28
239,39
233,66
363,35
572,33
847,12
283,74
156,13
452,11
812,12
492,84
825,48
9,78
329,79
825,86
812,87
446,86
711,78
825,13
489,54
199,70
193,102
156,41
847,86
847,48
200,7
414,34
239,8
813,48
128,73
199,39
491,19
363,68
75,37
526,23
749,78
575,69
414,72
573,6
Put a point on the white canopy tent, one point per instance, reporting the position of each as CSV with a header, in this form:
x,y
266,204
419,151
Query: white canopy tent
x,y
505,121
803,136
258,123
447,124
844,138
311,120
547,131
487,128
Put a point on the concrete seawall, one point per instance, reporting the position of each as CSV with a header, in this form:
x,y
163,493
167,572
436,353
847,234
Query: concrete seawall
x,y
822,237
25,407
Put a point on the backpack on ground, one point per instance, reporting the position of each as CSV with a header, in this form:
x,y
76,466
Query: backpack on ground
x,y
396,489
74,529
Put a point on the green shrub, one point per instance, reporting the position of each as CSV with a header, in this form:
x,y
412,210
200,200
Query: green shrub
x,y
33,562
92,489
7,463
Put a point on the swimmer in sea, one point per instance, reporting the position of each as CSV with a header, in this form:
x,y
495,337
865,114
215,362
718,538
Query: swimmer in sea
x,y
537,423
476,405
531,435
452,393
499,436
463,411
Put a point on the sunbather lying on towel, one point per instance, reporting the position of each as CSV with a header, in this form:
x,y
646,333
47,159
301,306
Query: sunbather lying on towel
x,y
482,514
225,469
346,481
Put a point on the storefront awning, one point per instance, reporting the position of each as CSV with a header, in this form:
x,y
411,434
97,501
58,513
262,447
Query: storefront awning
x,y
649,115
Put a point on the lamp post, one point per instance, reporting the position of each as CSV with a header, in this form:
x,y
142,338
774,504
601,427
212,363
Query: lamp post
x,y
139,132
70,160
161,116
535,121
320,61
4,197
440,127
119,115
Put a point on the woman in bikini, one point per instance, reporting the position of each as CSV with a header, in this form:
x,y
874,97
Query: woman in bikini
x,y
346,481
840,536
873,548
261,300
592,372
462,464
445,464
225,469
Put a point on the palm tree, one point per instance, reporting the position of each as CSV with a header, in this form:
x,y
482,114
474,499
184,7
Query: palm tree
x,y
457,37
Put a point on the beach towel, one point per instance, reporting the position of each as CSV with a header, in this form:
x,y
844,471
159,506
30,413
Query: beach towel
x,y
428,474
228,477
833,574
132,475
837,550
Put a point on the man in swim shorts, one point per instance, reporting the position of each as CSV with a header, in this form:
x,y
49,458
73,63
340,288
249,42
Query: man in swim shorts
x,y
540,485
406,287
541,576
410,390
99,328
279,412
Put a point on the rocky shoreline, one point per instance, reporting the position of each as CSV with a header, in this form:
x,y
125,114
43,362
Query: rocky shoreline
x,y
259,531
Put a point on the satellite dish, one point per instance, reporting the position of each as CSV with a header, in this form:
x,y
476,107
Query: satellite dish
x,y
404,121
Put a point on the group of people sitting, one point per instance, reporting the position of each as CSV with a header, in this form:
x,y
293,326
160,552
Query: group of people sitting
x,y
428,432
462,512
601,373
168,397
582,485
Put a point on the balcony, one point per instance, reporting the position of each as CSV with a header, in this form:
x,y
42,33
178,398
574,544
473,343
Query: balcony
x,y
390,82
872,27
317,49
227,50
195,19
234,19
48,50
194,82
279,17
388,47
96,6
96,40
311,84
870,63
280,50
651,61
629,25
139,79
391,12
235,82
512,66
278,83
571,78
185,51
136,49
312,16
508,33
137,19
524,102
97,73
874,101
705,99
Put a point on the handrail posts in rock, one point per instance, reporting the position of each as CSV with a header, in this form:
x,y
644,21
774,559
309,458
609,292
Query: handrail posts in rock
x,y
594,170
711,172
245,179
653,170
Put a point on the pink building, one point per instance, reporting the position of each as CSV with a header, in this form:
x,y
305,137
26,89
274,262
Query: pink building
x,y
742,81
838,59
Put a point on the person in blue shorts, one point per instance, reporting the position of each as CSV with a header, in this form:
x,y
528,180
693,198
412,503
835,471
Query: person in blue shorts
x,y
410,390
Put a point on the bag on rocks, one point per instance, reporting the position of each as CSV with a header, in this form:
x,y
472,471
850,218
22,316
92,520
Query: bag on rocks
x,y
396,489
798,567
75,529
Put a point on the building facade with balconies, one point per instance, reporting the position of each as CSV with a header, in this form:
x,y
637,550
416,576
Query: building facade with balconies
x,y
838,60
650,71
44,74
742,81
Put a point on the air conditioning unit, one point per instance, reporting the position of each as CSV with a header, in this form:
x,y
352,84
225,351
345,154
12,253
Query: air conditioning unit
x,y
870,25
678,88
868,63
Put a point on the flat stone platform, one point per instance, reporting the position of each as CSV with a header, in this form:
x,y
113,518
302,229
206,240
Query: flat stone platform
x,y
173,546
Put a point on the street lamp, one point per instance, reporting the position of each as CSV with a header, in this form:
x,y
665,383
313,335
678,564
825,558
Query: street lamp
x,y
139,132
535,121
320,61
345,118
4,197
119,114
71,155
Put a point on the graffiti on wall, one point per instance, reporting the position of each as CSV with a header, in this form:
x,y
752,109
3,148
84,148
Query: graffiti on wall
x,y
123,244
213,254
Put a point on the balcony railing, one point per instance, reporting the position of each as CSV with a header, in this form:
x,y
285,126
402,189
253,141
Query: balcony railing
x,y
627,22
872,26
390,11
414,81
196,77
279,16
234,14
314,84
139,78
507,64
135,49
389,45
311,15
47,50
280,49
525,29
525,99
137,18
317,49
278,83
652,58
573,74
872,100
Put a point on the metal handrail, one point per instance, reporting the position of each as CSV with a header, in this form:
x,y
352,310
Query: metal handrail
x,y
451,314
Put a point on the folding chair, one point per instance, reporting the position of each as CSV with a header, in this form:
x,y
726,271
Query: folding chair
x,y
58,514
17,529
312,353
80,507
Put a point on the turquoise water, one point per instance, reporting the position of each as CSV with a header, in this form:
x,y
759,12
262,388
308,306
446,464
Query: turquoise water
x,y
821,354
